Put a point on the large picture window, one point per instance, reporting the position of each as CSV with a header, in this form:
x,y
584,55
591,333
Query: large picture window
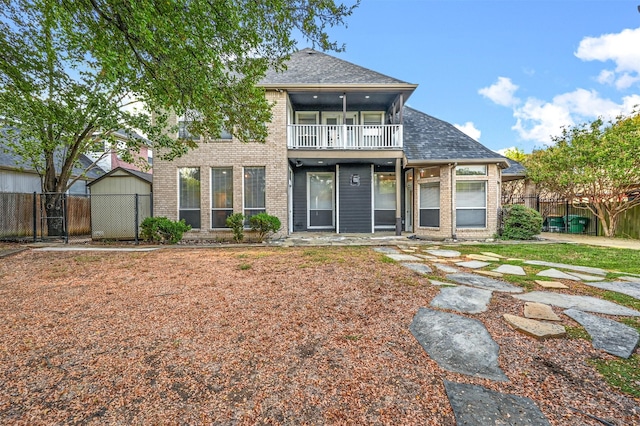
x,y
189,195
321,196
430,204
221,196
384,200
254,191
471,204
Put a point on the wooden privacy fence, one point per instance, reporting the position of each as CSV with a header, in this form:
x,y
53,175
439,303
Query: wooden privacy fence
x,y
99,216
23,216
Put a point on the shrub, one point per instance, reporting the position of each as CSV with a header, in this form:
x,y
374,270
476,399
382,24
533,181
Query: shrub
x,y
264,224
236,223
520,223
161,229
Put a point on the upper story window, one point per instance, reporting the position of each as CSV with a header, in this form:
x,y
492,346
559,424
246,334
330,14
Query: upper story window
x,y
184,131
429,172
372,118
471,170
307,118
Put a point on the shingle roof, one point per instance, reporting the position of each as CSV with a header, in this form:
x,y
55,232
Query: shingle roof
x,y
308,66
148,177
9,159
515,168
428,139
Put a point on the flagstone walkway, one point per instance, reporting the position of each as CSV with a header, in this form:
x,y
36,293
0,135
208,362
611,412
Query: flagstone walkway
x,y
463,345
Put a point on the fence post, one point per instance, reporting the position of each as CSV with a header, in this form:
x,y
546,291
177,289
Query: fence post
x,y
65,215
35,217
566,216
151,204
135,210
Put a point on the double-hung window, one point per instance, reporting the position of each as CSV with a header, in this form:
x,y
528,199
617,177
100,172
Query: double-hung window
x,y
430,204
189,195
254,192
221,196
184,127
471,204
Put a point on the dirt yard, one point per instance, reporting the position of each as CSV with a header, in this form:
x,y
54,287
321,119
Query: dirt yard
x,y
254,336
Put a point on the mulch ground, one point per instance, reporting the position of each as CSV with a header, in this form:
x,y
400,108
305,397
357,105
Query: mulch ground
x,y
254,336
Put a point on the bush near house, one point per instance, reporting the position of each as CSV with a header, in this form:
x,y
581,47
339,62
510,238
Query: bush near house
x,y
161,229
236,223
264,224
520,223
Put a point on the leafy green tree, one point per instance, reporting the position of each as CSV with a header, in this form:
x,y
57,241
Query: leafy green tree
x,y
595,165
516,154
69,70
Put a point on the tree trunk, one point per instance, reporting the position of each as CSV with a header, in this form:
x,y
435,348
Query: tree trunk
x,y
54,209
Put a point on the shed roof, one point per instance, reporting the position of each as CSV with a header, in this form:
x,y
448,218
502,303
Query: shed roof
x,y
147,177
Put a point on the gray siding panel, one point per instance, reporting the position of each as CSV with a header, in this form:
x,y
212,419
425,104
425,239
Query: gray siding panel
x,y
355,201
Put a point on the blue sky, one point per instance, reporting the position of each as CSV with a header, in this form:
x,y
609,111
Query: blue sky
x,y
510,73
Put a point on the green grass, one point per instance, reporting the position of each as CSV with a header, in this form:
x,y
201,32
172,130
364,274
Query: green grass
x,y
245,266
623,374
622,299
577,333
600,257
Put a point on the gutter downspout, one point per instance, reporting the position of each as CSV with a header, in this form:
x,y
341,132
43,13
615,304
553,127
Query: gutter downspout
x,y
454,237
398,198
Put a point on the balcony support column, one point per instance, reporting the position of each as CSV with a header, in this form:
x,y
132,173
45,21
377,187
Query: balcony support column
x,y
398,197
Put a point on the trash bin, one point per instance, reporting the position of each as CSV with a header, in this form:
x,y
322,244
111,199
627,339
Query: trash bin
x,y
577,224
556,223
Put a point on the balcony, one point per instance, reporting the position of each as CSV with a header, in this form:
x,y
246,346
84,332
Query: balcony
x,y
348,137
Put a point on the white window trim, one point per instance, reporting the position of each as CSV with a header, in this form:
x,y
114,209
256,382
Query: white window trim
x,y
211,208
315,113
382,227
244,168
362,113
439,208
333,200
178,194
486,203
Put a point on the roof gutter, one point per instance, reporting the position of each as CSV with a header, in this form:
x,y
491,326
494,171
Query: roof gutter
x,y
416,163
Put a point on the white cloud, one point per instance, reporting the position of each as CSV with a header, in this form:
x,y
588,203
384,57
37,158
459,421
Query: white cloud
x,y
539,121
621,49
501,92
469,129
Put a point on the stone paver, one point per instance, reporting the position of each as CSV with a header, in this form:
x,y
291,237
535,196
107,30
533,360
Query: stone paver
x,y
479,406
488,253
483,257
420,268
551,284
107,249
439,283
585,277
446,268
629,288
386,250
583,303
459,344
554,273
463,299
473,264
425,256
510,270
586,269
632,279
535,328
540,311
608,335
444,253
408,251
490,274
487,283
403,257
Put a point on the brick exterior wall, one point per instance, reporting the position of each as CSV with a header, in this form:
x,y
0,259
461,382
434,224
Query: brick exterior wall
x,y
272,155
447,207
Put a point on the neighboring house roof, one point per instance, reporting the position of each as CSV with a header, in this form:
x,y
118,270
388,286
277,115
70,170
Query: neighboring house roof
x,y
147,177
9,159
431,140
310,67
515,169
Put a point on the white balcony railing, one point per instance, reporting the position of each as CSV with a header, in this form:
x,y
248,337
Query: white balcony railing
x,y
321,136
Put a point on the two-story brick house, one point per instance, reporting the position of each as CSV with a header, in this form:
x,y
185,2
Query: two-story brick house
x,y
344,154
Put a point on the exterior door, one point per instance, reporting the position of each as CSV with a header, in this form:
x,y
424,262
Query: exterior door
x,y
337,135
321,200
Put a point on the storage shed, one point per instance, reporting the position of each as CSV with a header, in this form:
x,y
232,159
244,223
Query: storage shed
x,y
120,201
